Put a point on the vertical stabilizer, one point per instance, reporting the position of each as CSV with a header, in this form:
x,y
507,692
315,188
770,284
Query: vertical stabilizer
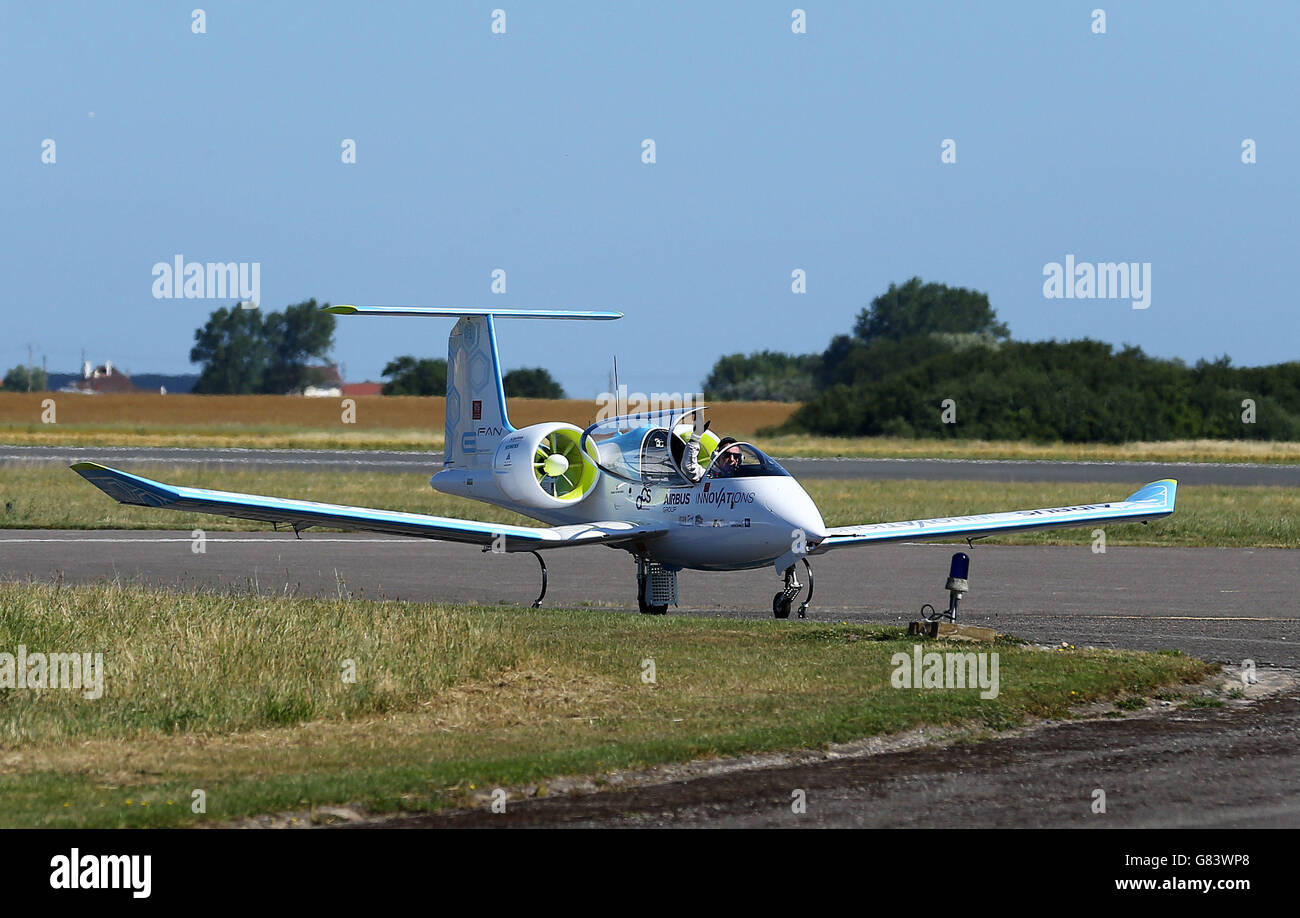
x,y
476,398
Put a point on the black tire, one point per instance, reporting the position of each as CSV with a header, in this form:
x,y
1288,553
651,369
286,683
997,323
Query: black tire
x,y
645,608
781,605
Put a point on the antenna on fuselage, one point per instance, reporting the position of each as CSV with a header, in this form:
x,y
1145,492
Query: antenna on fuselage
x,y
618,408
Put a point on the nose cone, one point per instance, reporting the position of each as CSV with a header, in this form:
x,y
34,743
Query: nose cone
x,y
798,508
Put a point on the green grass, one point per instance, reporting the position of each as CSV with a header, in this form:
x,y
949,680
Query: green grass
x,y
53,497
243,697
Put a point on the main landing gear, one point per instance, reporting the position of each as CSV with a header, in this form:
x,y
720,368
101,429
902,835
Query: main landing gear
x,y
782,601
656,587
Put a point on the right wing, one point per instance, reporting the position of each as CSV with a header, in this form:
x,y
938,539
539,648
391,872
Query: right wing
x,y
126,488
1150,502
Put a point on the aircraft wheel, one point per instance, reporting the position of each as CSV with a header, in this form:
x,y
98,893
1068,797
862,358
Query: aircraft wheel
x,y
645,608
781,605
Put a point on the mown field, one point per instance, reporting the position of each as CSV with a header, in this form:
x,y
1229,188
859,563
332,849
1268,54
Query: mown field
x,y
408,422
249,699
52,497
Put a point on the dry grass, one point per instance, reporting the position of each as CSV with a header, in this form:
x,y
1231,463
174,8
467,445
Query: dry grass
x,y
243,696
376,412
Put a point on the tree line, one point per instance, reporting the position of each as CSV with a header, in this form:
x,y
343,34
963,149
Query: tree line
x,y
245,352
249,352
928,360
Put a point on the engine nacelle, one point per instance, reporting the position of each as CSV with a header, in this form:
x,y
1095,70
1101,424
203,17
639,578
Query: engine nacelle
x,y
544,466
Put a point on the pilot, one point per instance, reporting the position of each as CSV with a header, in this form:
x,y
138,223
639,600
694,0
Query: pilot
x,y
727,458
691,467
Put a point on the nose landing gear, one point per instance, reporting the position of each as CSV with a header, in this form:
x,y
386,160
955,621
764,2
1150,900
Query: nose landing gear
x,y
783,600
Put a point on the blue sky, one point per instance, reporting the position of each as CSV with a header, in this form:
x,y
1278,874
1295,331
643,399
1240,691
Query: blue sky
x,y
522,151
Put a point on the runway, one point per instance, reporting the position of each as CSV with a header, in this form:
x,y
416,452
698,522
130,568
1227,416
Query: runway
x,y
1188,474
1225,605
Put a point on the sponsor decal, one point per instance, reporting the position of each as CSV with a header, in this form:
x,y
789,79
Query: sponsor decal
x,y
723,498
699,520
477,409
644,499
677,498
468,442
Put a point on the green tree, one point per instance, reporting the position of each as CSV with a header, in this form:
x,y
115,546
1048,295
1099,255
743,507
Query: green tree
x,y
531,382
233,350
26,379
922,309
762,376
244,352
294,337
411,376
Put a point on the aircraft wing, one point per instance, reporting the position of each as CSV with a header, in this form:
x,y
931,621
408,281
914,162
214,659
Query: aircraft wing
x,y
126,488
1150,502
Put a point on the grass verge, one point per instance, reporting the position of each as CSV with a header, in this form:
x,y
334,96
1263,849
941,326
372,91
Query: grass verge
x,y
52,497
244,698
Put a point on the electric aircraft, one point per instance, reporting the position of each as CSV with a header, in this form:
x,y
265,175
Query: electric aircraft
x,y
619,483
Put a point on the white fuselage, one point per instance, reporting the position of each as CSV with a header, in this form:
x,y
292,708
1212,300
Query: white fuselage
x,y
719,524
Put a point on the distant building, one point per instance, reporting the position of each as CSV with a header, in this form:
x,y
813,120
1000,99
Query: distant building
x,y
356,389
329,384
99,380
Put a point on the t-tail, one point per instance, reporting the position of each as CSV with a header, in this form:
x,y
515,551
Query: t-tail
x,y
477,418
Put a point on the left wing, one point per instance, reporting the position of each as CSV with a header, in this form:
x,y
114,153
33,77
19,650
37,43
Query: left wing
x,y
1150,502
126,488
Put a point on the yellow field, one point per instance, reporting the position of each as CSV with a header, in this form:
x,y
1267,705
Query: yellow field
x,y
411,422
381,422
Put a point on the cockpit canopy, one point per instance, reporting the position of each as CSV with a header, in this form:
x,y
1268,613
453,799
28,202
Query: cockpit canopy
x,y
649,448
744,460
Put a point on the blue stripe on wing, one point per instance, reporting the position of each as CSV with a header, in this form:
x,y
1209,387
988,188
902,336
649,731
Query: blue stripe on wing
x,y
138,490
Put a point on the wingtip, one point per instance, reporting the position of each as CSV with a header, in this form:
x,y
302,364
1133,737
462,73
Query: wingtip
x,y
342,309
85,466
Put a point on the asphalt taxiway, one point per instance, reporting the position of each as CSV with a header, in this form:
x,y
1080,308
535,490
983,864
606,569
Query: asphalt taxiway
x,y
1188,474
1216,603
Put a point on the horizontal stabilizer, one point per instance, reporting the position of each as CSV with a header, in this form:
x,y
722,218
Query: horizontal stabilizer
x,y
502,312
126,488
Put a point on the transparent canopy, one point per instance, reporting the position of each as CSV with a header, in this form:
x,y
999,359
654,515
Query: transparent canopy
x,y
648,449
